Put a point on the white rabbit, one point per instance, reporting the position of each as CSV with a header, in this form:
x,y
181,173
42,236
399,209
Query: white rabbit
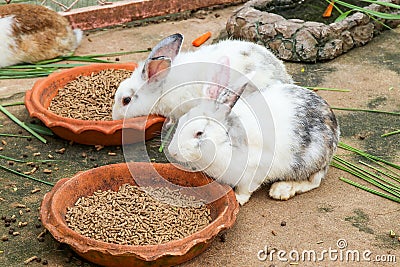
x,y
285,135
168,78
31,33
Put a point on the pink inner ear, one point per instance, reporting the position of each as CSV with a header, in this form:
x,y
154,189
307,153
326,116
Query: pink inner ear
x,y
156,66
168,47
213,91
220,78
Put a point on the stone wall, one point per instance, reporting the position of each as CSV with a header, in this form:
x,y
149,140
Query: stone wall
x,y
308,41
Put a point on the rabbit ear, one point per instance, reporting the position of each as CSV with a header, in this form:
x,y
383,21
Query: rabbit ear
x,y
156,69
161,56
230,97
220,78
168,47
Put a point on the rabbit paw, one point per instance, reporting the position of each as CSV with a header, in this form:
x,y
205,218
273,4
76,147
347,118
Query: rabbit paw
x,y
242,198
282,190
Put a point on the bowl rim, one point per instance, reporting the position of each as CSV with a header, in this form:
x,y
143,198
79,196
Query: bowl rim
x,y
77,126
179,247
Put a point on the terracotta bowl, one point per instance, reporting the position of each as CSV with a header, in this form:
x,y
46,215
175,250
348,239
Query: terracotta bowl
x,y
66,192
38,99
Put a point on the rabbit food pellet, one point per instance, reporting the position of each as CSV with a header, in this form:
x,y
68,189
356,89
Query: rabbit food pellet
x,y
137,216
89,97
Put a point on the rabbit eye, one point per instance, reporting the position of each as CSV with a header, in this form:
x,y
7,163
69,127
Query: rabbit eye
x,y
198,134
126,100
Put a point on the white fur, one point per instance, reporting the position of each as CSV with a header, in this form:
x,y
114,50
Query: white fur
x,y
286,189
78,35
264,154
7,42
187,67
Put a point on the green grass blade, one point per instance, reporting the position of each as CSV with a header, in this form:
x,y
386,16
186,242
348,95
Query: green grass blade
x,y
366,155
25,72
391,133
370,190
15,135
46,67
380,171
88,59
369,12
380,22
118,53
367,110
40,129
12,159
388,186
26,176
42,66
382,3
343,16
21,124
354,170
13,104
373,175
25,161
51,66
48,61
24,76
161,148
386,168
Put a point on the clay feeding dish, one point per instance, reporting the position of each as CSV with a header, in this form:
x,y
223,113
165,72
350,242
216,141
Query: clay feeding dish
x,y
65,193
88,132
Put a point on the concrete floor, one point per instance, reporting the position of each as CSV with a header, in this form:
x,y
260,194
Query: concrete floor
x,y
312,221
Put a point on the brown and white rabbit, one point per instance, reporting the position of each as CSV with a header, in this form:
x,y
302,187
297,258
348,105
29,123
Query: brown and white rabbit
x,y
285,135
31,33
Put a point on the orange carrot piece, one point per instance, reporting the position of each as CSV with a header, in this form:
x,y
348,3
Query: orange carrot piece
x,y
201,39
328,10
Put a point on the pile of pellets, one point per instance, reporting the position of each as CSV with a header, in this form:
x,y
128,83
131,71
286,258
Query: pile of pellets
x,y
136,216
89,97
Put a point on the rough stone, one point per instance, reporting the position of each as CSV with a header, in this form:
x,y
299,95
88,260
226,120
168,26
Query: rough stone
x,y
306,45
359,18
287,28
270,18
296,20
348,42
285,50
362,34
260,3
267,31
331,49
251,33
313,24
309,37
315,29
275,44
240,21
339,27
378,27
250,15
